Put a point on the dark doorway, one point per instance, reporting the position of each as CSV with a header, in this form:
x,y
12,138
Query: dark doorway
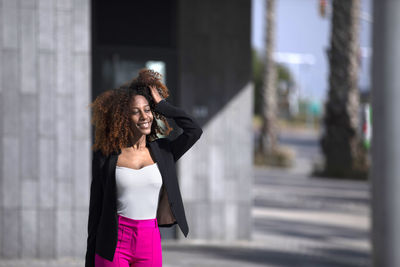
x,y
130,35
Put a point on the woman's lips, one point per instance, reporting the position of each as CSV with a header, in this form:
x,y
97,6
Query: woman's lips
x,y
144,125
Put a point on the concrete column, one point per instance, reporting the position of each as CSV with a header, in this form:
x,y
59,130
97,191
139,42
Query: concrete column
x,y
385,173
44,128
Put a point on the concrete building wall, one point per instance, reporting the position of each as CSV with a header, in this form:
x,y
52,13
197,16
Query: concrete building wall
x,y
44,127
215,86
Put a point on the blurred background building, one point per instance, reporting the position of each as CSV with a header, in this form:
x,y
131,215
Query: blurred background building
x,y
57,56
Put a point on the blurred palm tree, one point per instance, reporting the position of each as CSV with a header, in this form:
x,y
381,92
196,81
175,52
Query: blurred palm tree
x,y
284,82
268,141
340,141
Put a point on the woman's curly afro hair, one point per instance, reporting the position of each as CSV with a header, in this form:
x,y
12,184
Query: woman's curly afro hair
x,y
111,113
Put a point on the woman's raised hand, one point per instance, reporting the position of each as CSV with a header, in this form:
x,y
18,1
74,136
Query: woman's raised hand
x,y
154,92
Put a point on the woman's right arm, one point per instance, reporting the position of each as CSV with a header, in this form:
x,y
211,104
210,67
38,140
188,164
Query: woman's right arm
x,y
95,207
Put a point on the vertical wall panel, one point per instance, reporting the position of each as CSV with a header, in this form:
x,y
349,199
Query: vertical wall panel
x,y
10,95
2,228
11,233
47,94
29,233
81,20
82,170
10,24
29,136
1,58
47,181
81,99
46,230
63,138
47,19
79,232
28,50
64,40
29,194
63,233
11,190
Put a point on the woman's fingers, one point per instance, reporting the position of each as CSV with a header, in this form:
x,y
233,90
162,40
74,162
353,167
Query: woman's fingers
x,y
155,93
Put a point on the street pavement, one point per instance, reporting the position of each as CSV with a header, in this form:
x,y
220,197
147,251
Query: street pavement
x,y
298,220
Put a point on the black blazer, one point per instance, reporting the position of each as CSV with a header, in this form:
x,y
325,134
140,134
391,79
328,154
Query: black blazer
x,y
103,218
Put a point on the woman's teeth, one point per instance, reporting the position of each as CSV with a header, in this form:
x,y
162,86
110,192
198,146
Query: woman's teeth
x,y
144,125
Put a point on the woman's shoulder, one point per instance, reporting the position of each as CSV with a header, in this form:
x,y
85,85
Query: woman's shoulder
x,y
161,139
99,156
163,143
98,153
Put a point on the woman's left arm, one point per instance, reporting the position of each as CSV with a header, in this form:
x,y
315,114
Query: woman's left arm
x,y
191,129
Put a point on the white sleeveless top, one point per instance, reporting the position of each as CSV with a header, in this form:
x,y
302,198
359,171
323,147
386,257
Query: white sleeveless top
x,y
138,191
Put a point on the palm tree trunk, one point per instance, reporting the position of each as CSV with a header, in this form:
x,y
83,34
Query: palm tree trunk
x,y
268,140
340,142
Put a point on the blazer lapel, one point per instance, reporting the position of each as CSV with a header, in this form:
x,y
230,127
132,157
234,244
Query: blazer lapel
x,y
111,182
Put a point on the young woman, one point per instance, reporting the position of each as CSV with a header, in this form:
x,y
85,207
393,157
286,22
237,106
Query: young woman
x,y
134,188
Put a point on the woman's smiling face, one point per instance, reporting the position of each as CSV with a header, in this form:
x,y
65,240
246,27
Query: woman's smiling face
x,y
141,115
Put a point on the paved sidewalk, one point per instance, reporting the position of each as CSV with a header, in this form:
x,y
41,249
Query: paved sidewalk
x,y
298,221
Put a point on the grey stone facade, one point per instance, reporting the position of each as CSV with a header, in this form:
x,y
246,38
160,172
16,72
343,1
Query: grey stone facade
x,y
45,133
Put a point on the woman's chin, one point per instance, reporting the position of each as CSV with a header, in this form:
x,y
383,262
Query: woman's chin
x,y
145,131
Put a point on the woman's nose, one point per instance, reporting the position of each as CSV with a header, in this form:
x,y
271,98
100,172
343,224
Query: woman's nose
x,y
143,116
